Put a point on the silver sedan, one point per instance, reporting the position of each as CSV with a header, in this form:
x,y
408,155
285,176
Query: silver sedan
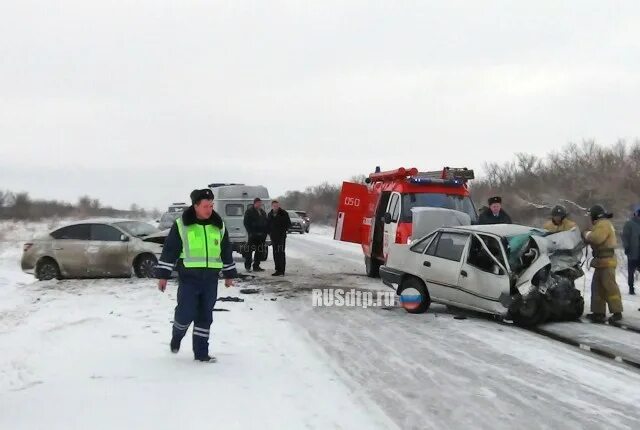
x,y
94,248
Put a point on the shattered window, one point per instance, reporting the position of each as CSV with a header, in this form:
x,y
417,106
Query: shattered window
x,y
478,256
494,246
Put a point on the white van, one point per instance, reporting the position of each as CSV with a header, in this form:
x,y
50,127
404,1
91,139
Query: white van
x,y
231,202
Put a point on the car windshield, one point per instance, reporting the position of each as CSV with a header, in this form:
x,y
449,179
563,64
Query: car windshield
x,y
137,228
293,215
437,200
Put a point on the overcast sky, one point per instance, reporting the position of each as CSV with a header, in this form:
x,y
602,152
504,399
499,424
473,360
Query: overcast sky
x,y
142,101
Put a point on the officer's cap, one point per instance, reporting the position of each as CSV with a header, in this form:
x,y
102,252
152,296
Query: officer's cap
x,y
198,195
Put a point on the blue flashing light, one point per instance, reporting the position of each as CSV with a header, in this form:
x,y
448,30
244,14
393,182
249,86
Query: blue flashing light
x,y
446,182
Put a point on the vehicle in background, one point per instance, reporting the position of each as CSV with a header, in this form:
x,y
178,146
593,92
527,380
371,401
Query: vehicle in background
x,y
306,219
95,248
167,219
512,271
177,207
297,223
231,201
379,213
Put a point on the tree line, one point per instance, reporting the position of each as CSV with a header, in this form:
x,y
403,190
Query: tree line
x,y
21,206
578,176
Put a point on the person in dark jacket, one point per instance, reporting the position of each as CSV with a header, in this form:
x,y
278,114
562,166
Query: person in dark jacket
x,y
631,243
198,247
279,224
495,214
256,224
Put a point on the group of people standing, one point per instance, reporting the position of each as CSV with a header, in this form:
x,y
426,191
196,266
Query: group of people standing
x,y
259,225
603,241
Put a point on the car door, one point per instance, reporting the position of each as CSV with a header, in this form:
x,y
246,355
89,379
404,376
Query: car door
x,y
352,205
70,249
107,252
484,277
442,264
391,222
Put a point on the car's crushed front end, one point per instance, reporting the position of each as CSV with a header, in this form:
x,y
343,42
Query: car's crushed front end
x,y
544,268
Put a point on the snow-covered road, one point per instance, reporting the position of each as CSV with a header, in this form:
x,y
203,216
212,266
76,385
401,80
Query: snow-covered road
x,y
433,371
94,354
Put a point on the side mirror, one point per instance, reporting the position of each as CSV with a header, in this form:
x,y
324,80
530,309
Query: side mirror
x,y
158,221
387,218
124,238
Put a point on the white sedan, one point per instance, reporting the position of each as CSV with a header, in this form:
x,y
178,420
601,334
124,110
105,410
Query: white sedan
x,y
513,271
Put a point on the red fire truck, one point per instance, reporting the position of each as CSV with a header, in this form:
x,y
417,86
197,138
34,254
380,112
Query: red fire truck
x,y
379,213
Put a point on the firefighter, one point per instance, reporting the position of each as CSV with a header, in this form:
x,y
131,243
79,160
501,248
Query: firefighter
x,y
495,214
559,221
604,289
279,224
198,247
631,242
256,224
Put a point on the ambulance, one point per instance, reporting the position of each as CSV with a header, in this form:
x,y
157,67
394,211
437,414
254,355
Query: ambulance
x,y
379,212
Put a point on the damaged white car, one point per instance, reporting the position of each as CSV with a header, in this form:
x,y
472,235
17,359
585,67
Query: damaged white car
x,y
515,272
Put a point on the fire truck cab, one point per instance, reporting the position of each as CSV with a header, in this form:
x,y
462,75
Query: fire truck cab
x,y
378,212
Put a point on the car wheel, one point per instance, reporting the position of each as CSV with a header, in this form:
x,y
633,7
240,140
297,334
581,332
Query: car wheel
x,y
532,312
414,296
47,269
145,266
372,266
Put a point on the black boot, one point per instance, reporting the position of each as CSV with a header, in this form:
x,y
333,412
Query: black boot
x,y
247,266
615,317
175,345
596,318
277,274
632,291
258,269
206,359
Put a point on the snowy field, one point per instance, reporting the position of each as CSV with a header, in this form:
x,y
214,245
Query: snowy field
x,y
94,355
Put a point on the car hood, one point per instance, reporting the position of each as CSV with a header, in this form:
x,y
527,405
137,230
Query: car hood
x,y
426,220
528,254
158,237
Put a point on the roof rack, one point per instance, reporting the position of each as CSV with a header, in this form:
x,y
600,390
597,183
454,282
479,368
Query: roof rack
x,y
221,184
450,173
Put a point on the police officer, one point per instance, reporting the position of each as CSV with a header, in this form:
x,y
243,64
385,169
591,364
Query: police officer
x,y
495,214
559,221
198,247
604,289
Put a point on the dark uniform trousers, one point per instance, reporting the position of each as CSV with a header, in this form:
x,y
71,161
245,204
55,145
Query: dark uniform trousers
x,y
197,294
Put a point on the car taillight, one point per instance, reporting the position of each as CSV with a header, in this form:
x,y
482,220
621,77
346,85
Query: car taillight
x,y
27,246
